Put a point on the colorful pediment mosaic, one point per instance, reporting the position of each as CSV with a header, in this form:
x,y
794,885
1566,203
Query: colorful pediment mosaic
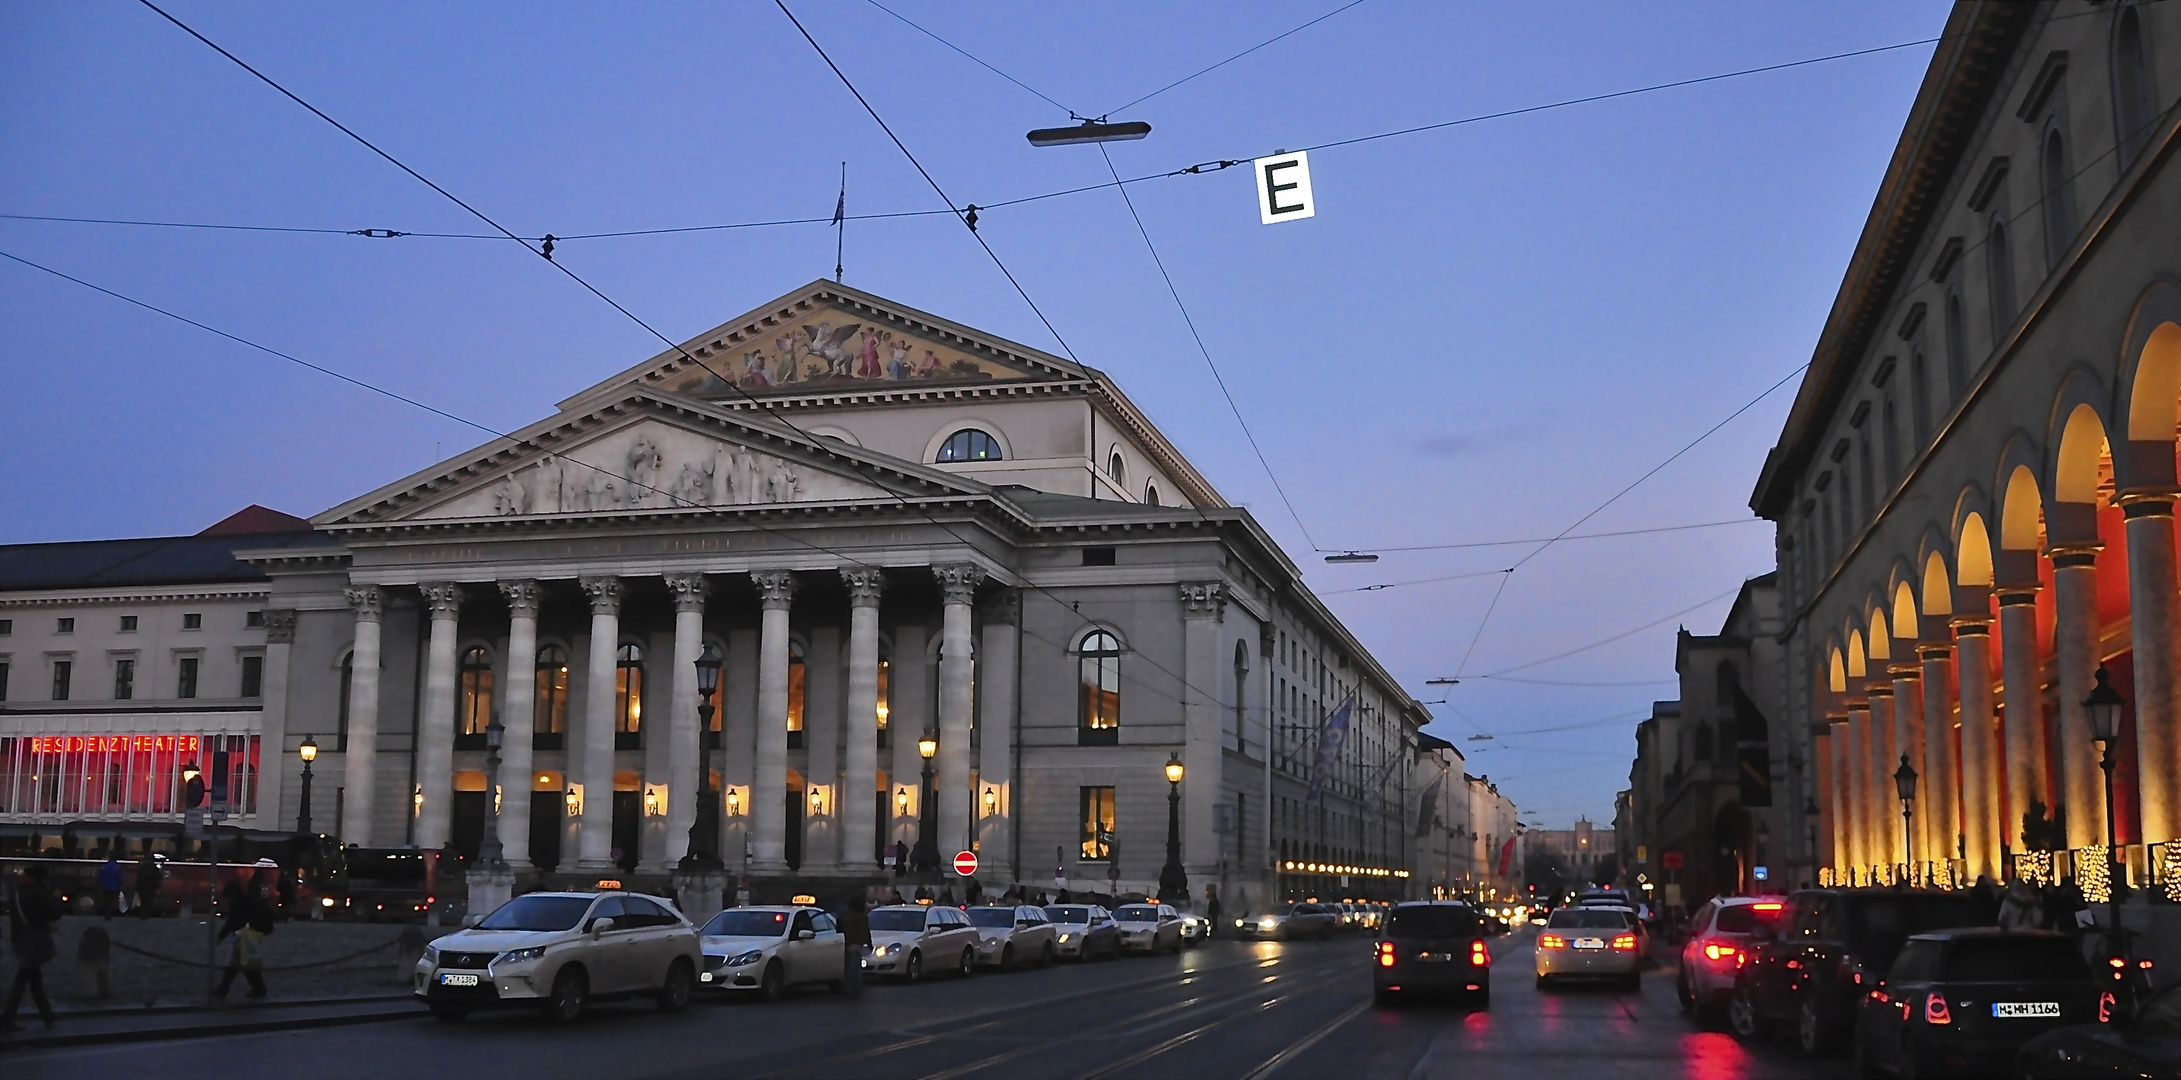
x,y
832,349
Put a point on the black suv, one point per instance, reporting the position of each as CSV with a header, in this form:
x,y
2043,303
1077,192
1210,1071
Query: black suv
x,y
1432,946
1831,948
1964,1001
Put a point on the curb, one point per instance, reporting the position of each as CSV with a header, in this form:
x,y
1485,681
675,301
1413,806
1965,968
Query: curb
x,y
234,1007
172,1034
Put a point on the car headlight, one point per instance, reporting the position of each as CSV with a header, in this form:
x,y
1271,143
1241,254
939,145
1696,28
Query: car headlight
x,y
523,956
1064,938
1268,923
881,950
740,959
431,956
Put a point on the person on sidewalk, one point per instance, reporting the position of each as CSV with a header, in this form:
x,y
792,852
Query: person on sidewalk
x,y
249,919
149,875
855,937
30,931
110,880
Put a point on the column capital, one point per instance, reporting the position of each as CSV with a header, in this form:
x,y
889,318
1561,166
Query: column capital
x,y
689,591
2142,502
959,581
443,597
2081,554
1935,650
368,600
1904,670
776,588
1204,600
1836,718
2017,595
1878,690
523,597
605,594
865,583
1972,625
280,626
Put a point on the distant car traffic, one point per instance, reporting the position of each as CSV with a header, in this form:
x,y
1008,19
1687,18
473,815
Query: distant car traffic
x,y
1085,931
1719,933
1432,946
1589,943
1149,927
1298,920
1012,935
1195,929
767,950
1964,1002
911,941
560,952
2116,1045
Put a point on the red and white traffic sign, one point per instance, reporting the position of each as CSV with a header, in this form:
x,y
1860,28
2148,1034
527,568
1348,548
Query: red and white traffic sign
x,y
965,863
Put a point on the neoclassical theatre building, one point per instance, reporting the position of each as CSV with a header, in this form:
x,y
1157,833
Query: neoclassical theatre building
x,y
888,526
1975,488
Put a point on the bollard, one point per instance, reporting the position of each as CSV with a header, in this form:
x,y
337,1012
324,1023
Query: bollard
x,y
411,950
94,953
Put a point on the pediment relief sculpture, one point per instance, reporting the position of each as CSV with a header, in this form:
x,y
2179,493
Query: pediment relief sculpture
x,y
830,349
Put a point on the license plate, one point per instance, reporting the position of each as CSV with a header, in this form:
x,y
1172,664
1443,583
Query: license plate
x,y
1589,943
2013,1009
1436,957
451,978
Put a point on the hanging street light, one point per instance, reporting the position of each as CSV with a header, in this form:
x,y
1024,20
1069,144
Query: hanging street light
x,y
1091,130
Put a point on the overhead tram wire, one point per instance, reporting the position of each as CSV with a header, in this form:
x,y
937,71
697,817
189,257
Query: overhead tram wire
x,y
974,59
676,346
1232,59
1616,637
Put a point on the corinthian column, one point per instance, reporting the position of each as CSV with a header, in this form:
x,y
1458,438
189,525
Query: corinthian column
x,y
1938,791
518,711
360,769
1980,783
683,737
957,653
2153,609
2028,777
860,779
594,839
435,733
2075,654
769,788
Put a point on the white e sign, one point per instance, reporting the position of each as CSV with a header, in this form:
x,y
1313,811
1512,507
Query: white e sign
x,y
1283,187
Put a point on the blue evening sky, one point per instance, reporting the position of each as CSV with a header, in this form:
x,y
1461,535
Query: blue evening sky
x,y
1484,332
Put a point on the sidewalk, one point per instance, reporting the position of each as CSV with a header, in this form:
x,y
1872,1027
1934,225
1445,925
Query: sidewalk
x,y
86,1027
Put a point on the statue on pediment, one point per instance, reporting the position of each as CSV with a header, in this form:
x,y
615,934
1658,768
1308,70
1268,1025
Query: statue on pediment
x,y
645,463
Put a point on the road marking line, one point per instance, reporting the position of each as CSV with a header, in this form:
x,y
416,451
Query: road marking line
x,y
1295,1050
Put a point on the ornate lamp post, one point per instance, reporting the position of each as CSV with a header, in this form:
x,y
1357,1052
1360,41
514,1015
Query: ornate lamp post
x,y
309,753
927,827
1173,880
1904,784
2104,705
491,857
704,828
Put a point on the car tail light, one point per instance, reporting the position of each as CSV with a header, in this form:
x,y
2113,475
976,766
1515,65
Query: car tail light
x,y
1715,951
1625,942
2105,1007
1766,907
1935,1009
1385,954
2119,966
1552,941
1478,956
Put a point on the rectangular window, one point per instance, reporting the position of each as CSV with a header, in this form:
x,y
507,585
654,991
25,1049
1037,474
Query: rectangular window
x,y
1098,556
128,624
3,680
63,670
253,676
1097,824
186,685
64,626
192,621
253,618
7,626
124,679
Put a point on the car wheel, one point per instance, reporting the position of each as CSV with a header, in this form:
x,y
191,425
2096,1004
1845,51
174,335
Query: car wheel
x,y
1742,1015
1007,958
451,1014
1482,999
571,991
773,985
680,983
1811,1031
915,970
1682,996
1543,982
969,963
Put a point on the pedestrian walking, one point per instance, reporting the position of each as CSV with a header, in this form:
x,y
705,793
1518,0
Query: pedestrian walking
x,y
1211,911
855,926
149,875
2020,910
901,857
110,880
30,931
249,919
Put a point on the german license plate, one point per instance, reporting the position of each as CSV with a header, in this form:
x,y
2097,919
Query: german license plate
x,y
455,978
1589,943
2014,1009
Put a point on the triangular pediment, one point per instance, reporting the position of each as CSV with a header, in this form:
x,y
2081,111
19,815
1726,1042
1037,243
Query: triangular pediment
x,y
828,339
647,452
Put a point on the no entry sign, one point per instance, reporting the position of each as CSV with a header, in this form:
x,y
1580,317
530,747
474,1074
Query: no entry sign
x,y
965,863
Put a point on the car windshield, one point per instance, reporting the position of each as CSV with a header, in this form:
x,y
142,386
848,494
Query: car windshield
x,y
1745,918
1058,913
1588,919
742,922
992,916
1882,923
897,919
1137,913
538,913
2015,959
1430,922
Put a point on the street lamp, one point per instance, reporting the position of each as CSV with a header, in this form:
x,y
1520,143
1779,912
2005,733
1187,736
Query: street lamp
x,y
309,753
704,829
2104,705
1173,880
927,828
491,857
1904,782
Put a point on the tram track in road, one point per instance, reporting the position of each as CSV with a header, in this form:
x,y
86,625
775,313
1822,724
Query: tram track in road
x,y
1259,1009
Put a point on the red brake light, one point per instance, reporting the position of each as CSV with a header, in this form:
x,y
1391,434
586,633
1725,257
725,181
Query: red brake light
x,y
1478,957
1625,942
1385,954
1935,1009
1552,941
1766,907
2105,1007
1716,951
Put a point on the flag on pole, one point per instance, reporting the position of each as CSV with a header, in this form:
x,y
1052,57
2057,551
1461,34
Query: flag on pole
x,y
1507,857
1336,733
840,205
1427,809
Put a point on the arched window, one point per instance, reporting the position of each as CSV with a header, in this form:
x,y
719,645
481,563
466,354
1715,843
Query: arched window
x,y
1151,494
970,444
1099,663
549,710
628,698
2134,95
2000,258
2059,207
1241,695
1957,349
795,694
1117,470
1919,397
473,705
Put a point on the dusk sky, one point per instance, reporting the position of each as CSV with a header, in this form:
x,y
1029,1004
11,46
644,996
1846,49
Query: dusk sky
x,y
1484,332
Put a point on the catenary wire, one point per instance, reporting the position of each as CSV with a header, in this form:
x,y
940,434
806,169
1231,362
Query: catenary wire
x,y
1235,57
973,58
1625,633
1563,539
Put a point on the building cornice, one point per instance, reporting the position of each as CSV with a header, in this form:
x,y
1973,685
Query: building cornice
x,y
134,594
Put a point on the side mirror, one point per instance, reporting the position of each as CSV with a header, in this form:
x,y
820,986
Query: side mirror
x,y
600,926
805,935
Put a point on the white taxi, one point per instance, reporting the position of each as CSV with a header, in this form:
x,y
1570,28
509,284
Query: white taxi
x,y
909,940
766,950
1014,935
559,952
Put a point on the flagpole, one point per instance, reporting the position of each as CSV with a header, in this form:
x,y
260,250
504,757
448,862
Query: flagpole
x,y
840,224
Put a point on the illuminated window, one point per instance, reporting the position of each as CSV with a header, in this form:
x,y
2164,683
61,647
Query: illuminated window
x,y
885,696
795,694
628,699
719,710
1100,666
549,712
1097,824
970,444
473,706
